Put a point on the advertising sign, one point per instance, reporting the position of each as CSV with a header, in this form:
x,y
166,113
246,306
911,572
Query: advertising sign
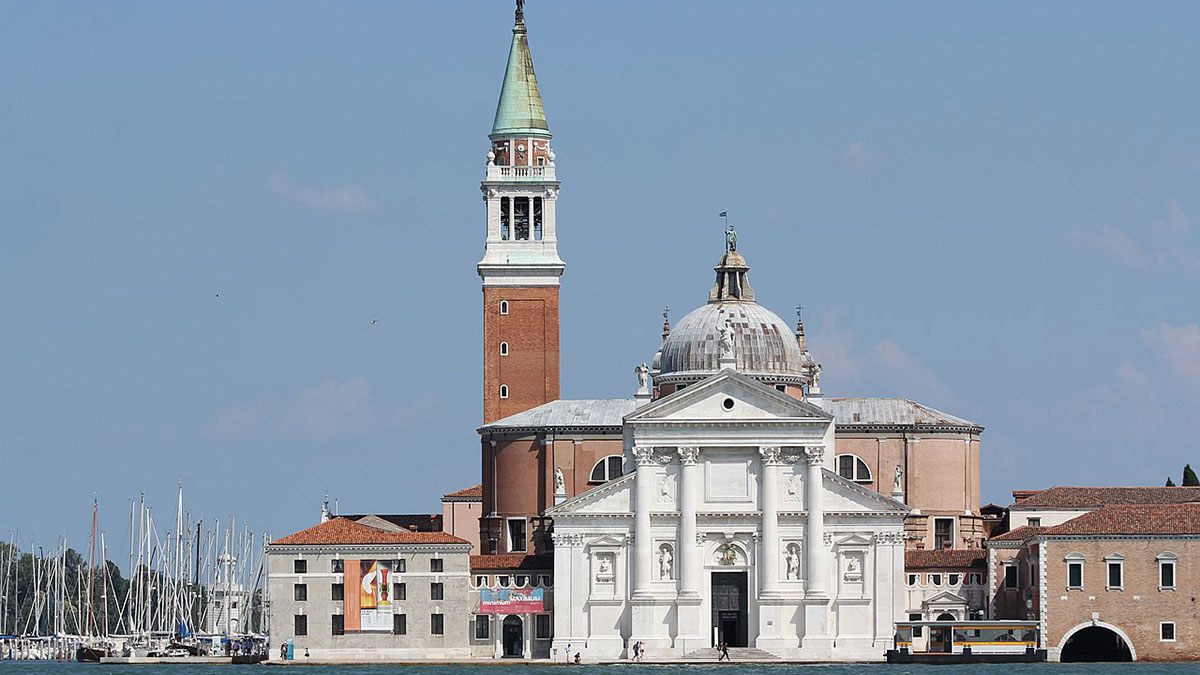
x,y
515,601
374,599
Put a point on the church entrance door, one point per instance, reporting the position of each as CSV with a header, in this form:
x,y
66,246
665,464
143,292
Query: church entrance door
x,y
513,636
730,611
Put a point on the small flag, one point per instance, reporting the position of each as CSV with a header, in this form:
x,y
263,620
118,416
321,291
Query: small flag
x,y
723,214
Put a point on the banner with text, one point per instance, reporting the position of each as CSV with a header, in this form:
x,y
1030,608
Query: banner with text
x,y
374,600
505,601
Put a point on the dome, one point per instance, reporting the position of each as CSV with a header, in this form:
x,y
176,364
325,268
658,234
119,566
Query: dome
x,y
763,344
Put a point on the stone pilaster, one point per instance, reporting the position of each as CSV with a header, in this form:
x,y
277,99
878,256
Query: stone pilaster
x,y
689,568
643,541
817,640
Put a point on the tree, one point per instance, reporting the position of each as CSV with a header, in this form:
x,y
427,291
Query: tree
x,y
1189,476
1170,483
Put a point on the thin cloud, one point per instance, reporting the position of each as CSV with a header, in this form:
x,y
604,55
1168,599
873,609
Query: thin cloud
x,y
1162,244
331,410
346,198
859,155
1177,348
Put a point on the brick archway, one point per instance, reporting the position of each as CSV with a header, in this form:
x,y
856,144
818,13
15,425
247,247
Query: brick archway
x,y
1084,629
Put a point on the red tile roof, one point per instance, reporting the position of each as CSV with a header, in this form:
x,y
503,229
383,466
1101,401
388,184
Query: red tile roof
x,y
475,492
945,558
345,531
1019,534
1134,519
1095,497
512,561
417,522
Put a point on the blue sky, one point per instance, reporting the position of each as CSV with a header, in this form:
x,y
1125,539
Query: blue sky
x,y
990,209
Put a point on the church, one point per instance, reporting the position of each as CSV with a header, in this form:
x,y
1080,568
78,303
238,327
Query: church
x,y
727,501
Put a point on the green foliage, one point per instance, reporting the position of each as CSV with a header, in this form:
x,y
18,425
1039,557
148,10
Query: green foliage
x,y
1189,476
23,590
1170,483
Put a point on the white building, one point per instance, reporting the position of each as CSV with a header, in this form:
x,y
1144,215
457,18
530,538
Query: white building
x,y
712,538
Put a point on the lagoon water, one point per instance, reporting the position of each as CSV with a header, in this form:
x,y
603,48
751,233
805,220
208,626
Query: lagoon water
x,y
509,668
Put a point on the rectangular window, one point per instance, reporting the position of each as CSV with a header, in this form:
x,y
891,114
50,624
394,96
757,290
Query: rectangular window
x,y
336,566
1166,631
1033,575
943,533
1074,575
1010,576
399,624
912,581
504,219
482,626
337,592
436,591
915,617
400,591
975,578
516,535
954,579
1166,574
481,581
521,218
436,564
300,592
1114,574
521,580
437,624
543,580
338,624
1033,522
537,218
401,565
300,566
502,580
300,625
935,579
542,627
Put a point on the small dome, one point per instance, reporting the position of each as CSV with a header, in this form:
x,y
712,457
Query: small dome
x,y
763,343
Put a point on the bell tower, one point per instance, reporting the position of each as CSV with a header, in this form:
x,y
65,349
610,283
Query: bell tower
x,y
520,267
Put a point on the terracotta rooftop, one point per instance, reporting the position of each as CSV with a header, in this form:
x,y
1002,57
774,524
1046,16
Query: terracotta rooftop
x,y
512,561
346,531
474,492
1095,497
945,558
416,522
1018,534
1134,519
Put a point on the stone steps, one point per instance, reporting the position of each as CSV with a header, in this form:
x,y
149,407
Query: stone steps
x,y
738,654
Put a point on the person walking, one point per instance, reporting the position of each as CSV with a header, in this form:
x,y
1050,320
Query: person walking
x,y
724,649
636,647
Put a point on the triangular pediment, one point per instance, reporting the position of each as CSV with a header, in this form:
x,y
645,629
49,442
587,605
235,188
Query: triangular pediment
x,y
613,497
846,495
945,598
853,540
706,400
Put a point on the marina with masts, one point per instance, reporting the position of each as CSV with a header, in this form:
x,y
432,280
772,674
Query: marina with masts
x,y
194,590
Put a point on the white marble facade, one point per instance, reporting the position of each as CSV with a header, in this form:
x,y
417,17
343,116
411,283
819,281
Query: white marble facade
x,y
708,538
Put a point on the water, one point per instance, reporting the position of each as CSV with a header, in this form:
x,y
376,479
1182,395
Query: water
x,y
509,668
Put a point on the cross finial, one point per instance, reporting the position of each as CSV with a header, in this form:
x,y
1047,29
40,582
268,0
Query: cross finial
x,y
799,312
666,313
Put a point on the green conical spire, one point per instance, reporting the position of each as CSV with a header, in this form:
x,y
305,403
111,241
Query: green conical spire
x,y
520,109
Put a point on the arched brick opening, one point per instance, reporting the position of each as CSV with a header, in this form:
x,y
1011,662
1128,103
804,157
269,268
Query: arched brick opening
x,y
1095,643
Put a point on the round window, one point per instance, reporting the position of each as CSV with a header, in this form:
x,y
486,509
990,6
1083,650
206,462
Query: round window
x,y
727,404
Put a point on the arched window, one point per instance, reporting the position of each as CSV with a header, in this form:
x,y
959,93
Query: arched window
x,y
504,391
606,469
503,349
853,468
504,307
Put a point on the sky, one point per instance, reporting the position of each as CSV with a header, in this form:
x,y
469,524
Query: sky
x,y
987,208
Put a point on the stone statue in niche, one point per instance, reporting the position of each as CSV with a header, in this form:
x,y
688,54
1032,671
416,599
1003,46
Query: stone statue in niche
x,y
853,569
898,480
791,486
560,484
604,571
665,563
793,562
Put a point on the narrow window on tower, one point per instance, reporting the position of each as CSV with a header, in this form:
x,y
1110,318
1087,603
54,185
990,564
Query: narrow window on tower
x,y
504,212
504,391
521,218
503,349
537,218
504,307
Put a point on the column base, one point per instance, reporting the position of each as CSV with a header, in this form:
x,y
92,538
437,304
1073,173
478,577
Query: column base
x,y
817,642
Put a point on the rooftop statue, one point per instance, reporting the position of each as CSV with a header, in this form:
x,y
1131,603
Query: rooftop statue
x,y
730,239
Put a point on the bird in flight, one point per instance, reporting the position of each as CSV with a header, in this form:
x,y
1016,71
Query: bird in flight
x,y
374,321
218,295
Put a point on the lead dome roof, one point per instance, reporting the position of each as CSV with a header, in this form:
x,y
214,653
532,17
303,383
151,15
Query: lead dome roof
x,y
764,345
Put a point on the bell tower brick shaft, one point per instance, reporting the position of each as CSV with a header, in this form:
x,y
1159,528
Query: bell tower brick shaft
x,y
520,267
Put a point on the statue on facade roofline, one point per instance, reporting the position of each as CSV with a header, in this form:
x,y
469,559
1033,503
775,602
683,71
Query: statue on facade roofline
x,y
726,340
643,375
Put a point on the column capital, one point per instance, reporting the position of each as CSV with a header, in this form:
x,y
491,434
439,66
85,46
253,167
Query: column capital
x,y
814,454
688,456
771,455
643,455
